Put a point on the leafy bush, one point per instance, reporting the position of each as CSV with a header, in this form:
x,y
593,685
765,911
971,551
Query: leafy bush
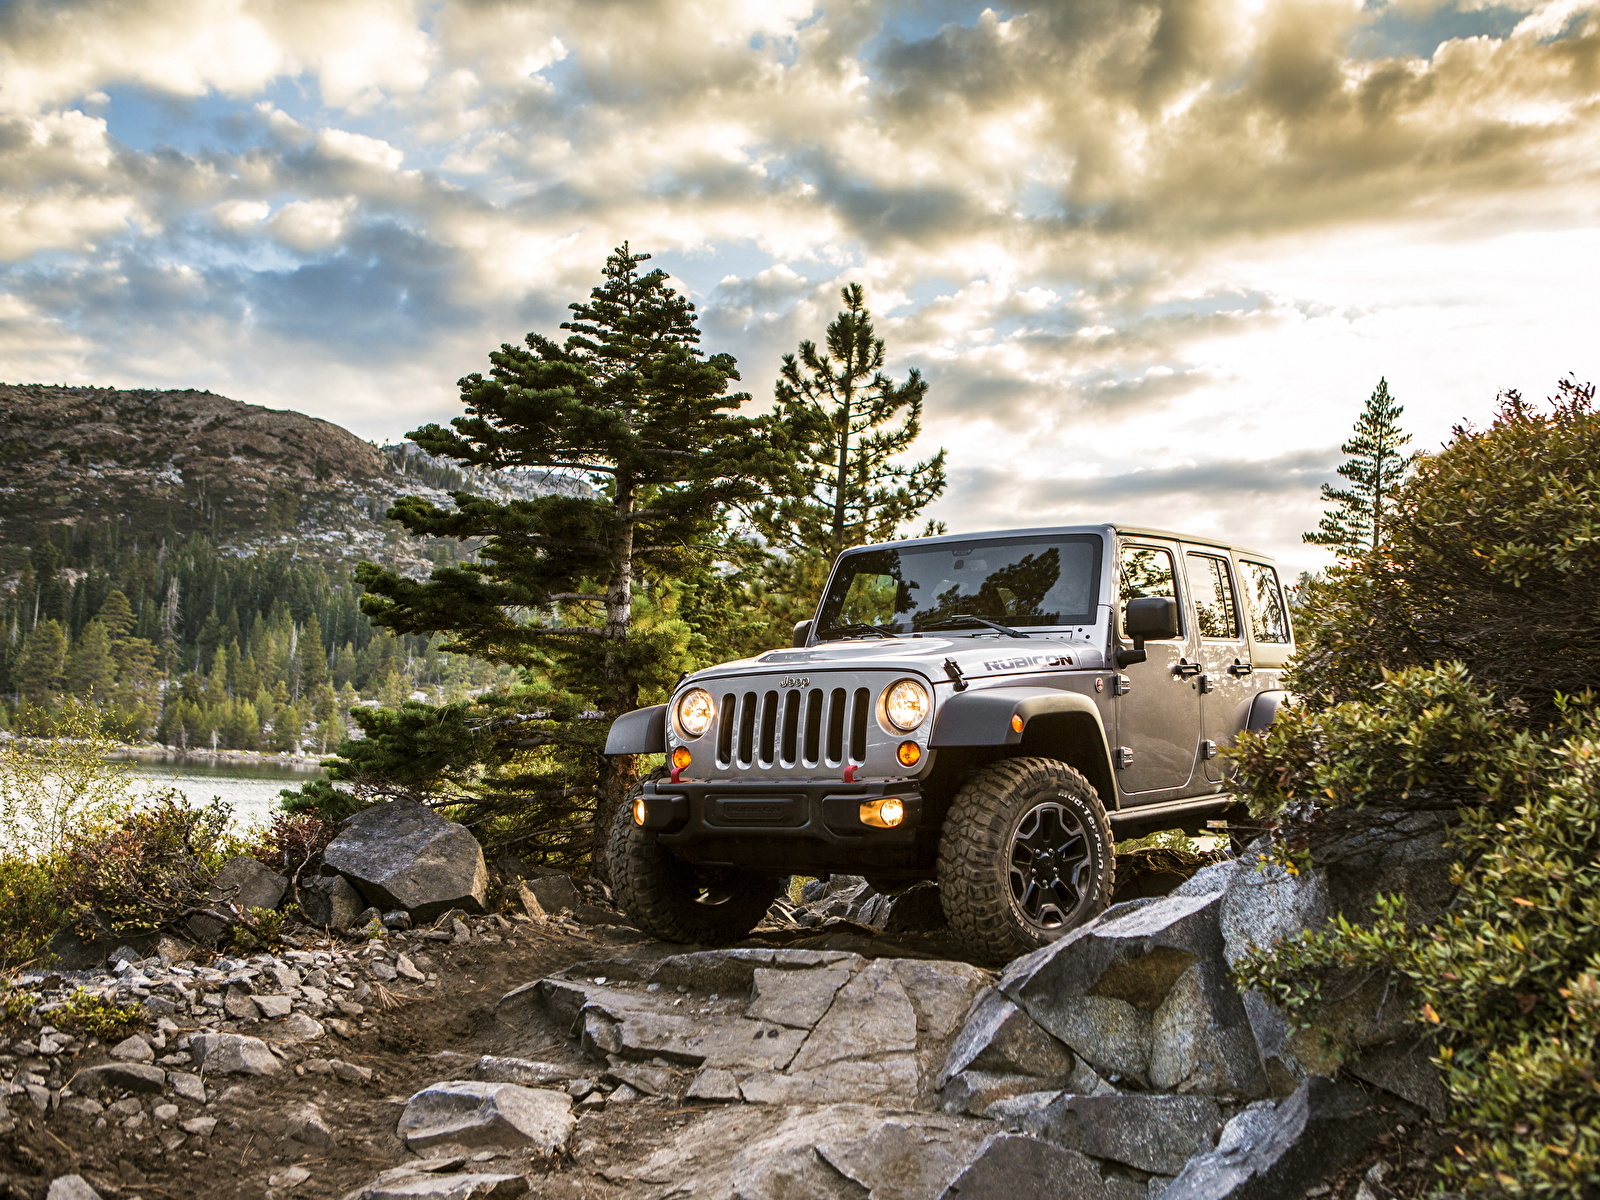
x,y
1449,672
86,1013
261,928
1492,559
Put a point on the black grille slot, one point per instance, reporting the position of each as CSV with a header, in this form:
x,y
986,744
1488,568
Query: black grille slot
x,y
789,752
727,719
769,727
858,726
836,725
813,750
747,729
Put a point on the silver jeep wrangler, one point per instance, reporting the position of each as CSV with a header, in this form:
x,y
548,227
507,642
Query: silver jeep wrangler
x,y
989,710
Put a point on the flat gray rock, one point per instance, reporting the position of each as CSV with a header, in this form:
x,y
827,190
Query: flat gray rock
x,y
496,1068
71,1187
233,1054
475,1113
131,1077
408,1183
403,855
1150,1133
1011,1166
795,998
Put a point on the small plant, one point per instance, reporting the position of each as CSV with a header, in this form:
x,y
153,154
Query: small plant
x,y
86,1013
14,1004
262,928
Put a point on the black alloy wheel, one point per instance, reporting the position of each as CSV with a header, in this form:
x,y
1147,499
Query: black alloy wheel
x,y
1051,867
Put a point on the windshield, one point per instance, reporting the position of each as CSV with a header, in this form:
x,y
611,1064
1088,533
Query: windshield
x,y
1037,581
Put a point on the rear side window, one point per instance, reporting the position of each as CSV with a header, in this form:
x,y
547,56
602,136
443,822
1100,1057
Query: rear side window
x,y
1269,618
1146,571
1212,587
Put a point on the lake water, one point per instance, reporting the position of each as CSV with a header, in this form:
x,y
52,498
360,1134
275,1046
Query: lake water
x,y
251,787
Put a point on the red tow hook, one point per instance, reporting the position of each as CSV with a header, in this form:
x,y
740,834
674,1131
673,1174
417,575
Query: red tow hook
x,y
850,773
676,771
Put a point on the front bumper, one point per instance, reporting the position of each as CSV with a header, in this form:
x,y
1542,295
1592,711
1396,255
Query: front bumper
x,y
688,814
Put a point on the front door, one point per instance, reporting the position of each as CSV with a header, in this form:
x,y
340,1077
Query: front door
x,y
1225,682
1158,718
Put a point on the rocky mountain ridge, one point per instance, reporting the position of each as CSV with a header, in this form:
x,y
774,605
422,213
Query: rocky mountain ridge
x,y
176,463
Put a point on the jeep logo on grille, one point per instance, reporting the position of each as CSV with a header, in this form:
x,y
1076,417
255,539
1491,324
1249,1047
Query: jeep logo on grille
x,y
794,681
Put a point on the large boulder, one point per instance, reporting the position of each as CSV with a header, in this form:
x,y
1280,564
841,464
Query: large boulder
x,y
1158,1134
1023,1168
999,1037
1268,1152
243,883
470,1112
1143,993
402,855
330,901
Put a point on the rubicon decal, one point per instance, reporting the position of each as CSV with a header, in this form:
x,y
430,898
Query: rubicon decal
x,y
1032,660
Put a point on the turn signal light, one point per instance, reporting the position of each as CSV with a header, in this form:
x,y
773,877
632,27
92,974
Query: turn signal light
x,y
1016,722
909,754
681,757
638,810
883,814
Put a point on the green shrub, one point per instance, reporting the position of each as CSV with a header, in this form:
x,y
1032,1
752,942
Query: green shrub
x,y
32,907
86,1013
261,928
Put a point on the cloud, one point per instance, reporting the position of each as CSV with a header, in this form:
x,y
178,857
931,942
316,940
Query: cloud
x,y
1115,233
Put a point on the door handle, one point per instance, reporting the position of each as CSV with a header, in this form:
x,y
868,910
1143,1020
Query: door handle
x,y
1183,668
1241,668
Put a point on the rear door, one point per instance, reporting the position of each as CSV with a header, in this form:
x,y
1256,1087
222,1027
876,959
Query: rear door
x,y
1158,716
1225,685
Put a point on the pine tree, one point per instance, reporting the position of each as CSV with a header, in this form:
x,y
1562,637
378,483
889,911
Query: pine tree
x,y
1377,465
42,664
629,400
91,670
846,423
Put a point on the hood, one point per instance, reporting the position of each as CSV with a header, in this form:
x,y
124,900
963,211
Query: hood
x,y
978,657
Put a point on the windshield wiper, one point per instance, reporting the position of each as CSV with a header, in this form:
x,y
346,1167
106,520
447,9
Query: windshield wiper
x,y
851,631
968,621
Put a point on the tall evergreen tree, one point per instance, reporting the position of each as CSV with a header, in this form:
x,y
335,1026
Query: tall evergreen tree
x,y
847,423
43,662
1377,465
629,400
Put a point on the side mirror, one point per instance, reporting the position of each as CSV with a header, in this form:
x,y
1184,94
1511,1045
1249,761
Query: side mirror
x,y
1149,618
802,633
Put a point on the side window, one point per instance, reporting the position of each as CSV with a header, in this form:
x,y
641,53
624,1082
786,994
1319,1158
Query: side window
x,y
1146,571
1263,599
1214,608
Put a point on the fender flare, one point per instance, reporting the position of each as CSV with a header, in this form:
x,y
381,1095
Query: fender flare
x,y
1264,708
642,731
983,718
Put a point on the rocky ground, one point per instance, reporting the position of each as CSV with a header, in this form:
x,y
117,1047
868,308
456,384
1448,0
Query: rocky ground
x,y
490,1056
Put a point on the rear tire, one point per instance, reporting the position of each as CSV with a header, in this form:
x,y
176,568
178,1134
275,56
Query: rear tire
x,y
675,900
1026,857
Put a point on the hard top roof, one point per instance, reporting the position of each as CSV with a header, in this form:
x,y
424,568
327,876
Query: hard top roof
x,y
1109,527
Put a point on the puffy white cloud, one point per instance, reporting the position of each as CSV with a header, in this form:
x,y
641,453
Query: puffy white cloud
x,y
1151,254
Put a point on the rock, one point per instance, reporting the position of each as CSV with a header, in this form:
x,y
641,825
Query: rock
x,y
272,1007
367,918
593,914
871,1015
165,1113
555,893
976,1093
301,1028
402,855
1143,992
133,1049
916,910
495,1068
794,998
243,883
525,898
398,919
474,1113
1266,1153
1405,1069
130,1077
199,1126
350,1072
410,1183
1000,1038
649,1081
1022,1168
71,1187
186,1086
406,969
233,1054
1263,904
714,1083
305,1124
330,901
288,1177
1157,1134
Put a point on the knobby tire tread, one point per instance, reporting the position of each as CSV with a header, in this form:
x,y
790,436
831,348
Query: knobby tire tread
x,y
642,887
972,884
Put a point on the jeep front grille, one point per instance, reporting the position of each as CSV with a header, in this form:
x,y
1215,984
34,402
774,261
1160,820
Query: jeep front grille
x,y
796,727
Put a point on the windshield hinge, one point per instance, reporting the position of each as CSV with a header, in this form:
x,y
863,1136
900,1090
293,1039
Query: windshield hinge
x,y
953,669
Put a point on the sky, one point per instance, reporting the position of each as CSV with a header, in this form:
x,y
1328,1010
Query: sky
x,y
1151,255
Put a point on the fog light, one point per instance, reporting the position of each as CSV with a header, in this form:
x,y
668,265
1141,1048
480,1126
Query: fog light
x,y
638,810
909,754
681,757
883,814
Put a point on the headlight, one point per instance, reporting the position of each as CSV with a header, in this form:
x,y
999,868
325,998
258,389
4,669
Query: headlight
x,y
695,710
906,705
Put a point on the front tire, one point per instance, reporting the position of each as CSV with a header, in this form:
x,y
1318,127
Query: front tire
x,y
675,900
1026,856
